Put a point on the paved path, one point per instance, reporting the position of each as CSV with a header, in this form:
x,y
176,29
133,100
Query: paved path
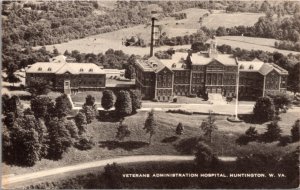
x,y
228,109
9,181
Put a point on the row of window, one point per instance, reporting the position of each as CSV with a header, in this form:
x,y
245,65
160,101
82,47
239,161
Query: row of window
x,y
181,73
50,69
250,67
164,92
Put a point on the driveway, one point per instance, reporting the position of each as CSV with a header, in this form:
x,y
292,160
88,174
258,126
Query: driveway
x,y
11,181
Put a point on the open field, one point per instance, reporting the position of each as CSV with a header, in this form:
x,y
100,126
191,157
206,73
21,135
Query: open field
x,y
252,43
164,142
102,42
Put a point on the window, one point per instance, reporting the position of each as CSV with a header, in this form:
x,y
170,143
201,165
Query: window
x,y
251,67
49,69
81,70
242,67
40,69
91,70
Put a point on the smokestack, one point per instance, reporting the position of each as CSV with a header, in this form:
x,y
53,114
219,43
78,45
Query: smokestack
x,y
152,37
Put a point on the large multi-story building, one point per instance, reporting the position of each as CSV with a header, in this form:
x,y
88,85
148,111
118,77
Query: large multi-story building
x,y
207,72
68,77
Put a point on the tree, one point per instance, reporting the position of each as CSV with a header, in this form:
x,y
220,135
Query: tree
x,y
72,128
107,100
208,126
62,106
59,138
221,31
295,131
281,102
67,53
55,52
264,109
122,132
90,100
13,105
136,99
9,120
123,104
39,86
12,78
273,132
42,107
294,79
129,72
89,108
150,125
90,113
179,129
26,146
6,144
204,156
112,176
5,103
80,120
198,46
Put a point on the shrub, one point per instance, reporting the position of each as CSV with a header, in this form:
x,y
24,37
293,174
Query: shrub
x,y
273,132
251,134
180,112
84,142
179,129
204,156
285,140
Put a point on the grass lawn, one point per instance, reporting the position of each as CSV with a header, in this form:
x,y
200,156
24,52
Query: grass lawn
x,y
80,96
252,43
188,100
163,142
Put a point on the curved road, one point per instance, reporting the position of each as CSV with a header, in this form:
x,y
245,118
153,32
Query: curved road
x,y
9,181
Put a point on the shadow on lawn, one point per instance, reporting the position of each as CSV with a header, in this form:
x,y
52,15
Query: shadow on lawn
x,y
126,145
169,139
249,118
188,145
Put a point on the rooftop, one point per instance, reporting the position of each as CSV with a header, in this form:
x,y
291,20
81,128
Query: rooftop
x,y
177,61
204,59
61,68
261,67
152,64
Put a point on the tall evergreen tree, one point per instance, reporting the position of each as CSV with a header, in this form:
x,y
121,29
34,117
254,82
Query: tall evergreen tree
x,y
150,125
273,132
264,109
59,138
107,100
208,126
295,131
123,104
136,99
62,106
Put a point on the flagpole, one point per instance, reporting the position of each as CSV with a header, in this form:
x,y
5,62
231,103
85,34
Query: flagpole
x,y
237,91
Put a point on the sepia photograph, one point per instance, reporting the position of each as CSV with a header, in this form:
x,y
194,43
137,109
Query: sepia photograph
x,y
150,94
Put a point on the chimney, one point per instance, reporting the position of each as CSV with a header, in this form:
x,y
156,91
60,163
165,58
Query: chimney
x,y
152,37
